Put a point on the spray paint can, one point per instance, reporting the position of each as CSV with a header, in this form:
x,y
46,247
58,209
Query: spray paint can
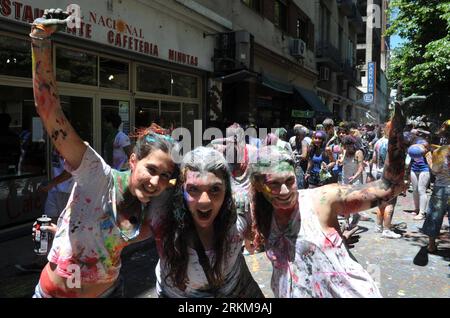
x,y
42,239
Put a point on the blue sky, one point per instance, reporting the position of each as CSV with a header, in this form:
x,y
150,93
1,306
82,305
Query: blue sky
x,y
396,41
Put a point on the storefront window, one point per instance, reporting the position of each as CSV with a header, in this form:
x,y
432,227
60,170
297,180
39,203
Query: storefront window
x,y
153,80
22,156
115,117
113,74
78,111
147,112
15,56
190,113
170,115
76,67
184,85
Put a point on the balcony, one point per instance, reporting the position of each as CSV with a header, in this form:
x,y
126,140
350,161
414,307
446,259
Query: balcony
x,y
345,6
355,19
328,55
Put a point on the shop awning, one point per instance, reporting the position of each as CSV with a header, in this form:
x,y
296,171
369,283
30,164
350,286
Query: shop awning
x,y
313,100
238,76
275,84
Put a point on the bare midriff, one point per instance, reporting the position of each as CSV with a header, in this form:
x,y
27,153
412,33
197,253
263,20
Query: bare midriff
x,y
56,286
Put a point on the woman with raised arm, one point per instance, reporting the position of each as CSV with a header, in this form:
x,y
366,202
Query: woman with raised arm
x,y
300,228
107,209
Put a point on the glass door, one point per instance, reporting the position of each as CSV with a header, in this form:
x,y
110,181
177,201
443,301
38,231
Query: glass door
x,y
115,128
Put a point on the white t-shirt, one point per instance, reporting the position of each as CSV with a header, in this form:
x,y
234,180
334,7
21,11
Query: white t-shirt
x,y
120,158
91,232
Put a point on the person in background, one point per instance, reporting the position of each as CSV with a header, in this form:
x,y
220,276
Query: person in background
x,y
282,142
385,210
328,126
320,161
439,203
121,144
299,154
420,175
352,162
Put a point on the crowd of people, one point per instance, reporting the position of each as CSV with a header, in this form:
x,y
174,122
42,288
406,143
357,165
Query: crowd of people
x,y
283,195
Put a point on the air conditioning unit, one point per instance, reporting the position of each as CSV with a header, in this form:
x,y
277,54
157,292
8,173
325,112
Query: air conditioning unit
x,y
298,48
233,51
324,73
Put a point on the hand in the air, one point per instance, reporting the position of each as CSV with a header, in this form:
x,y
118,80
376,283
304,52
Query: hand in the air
x,y
52,21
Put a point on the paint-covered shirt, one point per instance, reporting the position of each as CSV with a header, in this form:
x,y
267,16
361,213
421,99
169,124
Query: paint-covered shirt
x,y
441,166
238,282
309,263
91,233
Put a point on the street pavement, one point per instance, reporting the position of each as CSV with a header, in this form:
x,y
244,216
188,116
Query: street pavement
x,y
401,267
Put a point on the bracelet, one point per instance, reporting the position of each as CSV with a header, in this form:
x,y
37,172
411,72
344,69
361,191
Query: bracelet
x,y
34,37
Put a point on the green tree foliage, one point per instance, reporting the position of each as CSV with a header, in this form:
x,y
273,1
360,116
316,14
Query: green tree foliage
x,y
422,63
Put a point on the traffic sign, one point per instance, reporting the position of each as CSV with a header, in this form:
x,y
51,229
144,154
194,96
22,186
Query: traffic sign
x,y
368,98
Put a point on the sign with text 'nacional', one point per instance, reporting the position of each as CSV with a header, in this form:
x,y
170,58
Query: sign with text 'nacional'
x,y
149,28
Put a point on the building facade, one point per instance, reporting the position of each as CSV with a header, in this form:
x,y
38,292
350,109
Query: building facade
x,y
339,23
147,61
374,49
265,67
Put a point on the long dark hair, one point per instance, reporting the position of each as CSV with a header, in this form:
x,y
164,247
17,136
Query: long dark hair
x,y
179,227
314,148
270,159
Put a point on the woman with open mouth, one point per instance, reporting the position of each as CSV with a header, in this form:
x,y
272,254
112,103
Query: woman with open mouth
x,y
300,229
107,209
200,239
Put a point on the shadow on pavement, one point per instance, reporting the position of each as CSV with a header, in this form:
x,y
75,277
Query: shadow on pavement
x,y
421,259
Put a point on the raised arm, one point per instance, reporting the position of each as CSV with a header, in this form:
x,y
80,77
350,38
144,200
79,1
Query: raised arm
x,y
351,199
46,97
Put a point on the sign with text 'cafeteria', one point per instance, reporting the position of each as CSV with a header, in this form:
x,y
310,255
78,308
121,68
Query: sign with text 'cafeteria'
x,y
143,27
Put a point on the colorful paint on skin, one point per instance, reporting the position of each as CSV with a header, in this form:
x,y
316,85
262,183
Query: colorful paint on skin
x,y
43,80
151,175
204,195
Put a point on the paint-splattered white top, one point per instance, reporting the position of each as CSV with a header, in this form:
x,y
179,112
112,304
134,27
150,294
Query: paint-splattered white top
x,y
308,263
89,236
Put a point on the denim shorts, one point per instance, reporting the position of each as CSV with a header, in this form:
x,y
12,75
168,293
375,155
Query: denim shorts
x,y
437,207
